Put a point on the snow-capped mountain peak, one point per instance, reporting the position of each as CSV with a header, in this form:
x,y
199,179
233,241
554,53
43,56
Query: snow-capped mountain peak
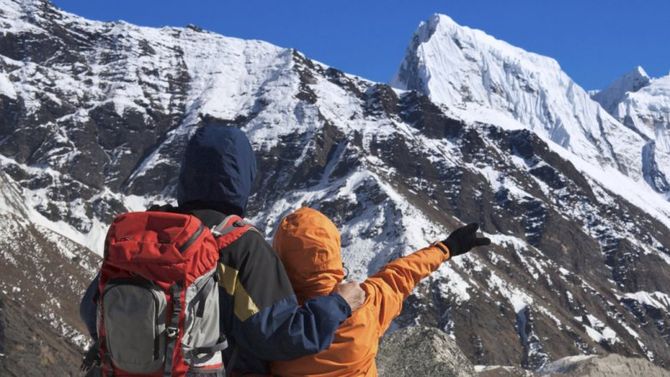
x,y
632,81
441,50
643,105
646,108
487,80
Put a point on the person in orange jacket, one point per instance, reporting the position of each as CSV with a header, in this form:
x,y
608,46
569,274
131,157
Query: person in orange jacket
x,y
308,244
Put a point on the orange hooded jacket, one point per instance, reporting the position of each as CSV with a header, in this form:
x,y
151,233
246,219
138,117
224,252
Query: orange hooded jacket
x,y
308,244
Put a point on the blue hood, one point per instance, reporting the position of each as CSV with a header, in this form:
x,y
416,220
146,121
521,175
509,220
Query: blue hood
x,y
218,170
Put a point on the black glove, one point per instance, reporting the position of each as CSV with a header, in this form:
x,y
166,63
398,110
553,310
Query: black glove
x,y
461,240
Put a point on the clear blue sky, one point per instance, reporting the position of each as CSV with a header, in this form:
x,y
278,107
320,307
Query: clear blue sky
x,y
595,41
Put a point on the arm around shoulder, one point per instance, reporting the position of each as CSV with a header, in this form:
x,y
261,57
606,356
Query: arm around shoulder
x,y
268,322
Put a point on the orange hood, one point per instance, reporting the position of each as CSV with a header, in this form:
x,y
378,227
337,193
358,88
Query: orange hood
x,y
308,244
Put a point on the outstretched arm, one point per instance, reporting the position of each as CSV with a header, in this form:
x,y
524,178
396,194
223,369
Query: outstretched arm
x,y
391,286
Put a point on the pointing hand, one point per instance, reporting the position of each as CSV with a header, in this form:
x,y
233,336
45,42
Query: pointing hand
x,y
461,240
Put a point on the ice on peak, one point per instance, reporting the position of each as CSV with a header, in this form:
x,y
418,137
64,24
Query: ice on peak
x,y
440,20
632,81
443,52
445,29
647,110
640,71
474,73
426,29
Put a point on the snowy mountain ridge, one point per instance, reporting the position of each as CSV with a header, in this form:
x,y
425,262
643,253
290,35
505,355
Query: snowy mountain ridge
x,y
632,81
643,104
484,79
94,117
95,81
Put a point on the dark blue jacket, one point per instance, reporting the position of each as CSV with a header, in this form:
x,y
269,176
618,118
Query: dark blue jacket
x,y
216,179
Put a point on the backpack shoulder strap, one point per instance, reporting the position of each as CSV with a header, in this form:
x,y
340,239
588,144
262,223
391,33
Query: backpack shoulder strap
x,y
229,223
230,229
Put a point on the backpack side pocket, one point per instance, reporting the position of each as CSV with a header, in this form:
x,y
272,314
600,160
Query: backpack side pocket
x,y
134,319
203,342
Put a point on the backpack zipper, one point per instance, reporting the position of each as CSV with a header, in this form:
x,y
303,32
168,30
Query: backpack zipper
x,y
193,238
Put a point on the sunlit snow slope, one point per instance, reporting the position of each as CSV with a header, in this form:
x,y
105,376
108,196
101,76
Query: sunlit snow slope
x,y
643,104
484,79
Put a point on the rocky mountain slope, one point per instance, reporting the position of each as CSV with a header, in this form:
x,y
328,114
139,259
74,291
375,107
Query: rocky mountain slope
x,y
43,273
422,351
425,351
94,117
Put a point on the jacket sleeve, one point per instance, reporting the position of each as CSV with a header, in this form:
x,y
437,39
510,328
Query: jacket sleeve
x,y
390,287
266,320
89,306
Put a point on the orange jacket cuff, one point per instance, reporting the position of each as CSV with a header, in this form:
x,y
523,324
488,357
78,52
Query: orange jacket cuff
x,y
443,248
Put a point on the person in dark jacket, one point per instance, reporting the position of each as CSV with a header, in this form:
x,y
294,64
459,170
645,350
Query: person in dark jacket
x,y
260,317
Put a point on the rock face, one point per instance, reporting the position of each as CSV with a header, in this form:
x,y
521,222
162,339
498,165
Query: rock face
x,y
93,121
422,351
31,347
504,371
43,275
607,366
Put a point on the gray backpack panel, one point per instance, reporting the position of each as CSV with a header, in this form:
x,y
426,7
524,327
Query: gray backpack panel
x,y
135,318
201,323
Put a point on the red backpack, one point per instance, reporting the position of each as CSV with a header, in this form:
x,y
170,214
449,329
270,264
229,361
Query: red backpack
x,y
158,309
